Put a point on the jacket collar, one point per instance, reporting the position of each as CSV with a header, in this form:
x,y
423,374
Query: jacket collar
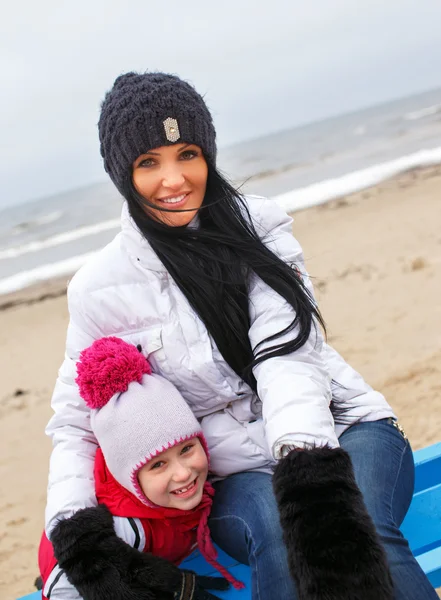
x,y
135,244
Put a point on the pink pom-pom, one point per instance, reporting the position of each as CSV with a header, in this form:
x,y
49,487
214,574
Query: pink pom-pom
x,y
107,368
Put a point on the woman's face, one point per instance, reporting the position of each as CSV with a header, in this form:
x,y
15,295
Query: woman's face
x,y
172,177
175,478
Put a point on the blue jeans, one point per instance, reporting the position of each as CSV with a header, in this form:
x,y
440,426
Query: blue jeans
x,y
245,522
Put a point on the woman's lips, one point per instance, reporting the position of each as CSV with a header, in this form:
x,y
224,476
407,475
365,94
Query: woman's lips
x,y
174,201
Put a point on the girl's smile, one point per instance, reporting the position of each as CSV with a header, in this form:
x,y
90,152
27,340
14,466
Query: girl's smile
x,y
175,478
187,491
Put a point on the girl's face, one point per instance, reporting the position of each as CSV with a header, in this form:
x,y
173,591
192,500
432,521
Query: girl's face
x,y
175,478
172,177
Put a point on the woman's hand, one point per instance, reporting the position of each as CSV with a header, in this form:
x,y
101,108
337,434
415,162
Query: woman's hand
x,y
101,566
334,551
286,449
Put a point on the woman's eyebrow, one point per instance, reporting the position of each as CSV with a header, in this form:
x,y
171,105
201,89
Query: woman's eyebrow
x,y
151,152
184,146
159,154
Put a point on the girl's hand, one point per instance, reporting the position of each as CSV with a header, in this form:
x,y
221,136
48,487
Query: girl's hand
x,y
101,565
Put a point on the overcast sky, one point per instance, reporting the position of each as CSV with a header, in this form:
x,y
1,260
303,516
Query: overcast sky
x,y
263,66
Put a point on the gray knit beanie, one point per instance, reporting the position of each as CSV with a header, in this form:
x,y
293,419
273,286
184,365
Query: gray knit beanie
x,y
143,111
135,414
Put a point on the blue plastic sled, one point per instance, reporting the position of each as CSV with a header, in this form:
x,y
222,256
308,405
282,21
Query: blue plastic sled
x,y
422,527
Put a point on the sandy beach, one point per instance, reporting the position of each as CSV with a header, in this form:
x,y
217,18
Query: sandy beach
x,y
376,261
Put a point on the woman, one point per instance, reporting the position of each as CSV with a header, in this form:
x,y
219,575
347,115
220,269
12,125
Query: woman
x,y
211,287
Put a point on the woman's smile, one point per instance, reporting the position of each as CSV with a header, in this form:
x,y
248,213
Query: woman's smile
x,y
176,201
173,181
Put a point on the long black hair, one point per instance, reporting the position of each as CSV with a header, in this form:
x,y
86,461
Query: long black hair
x,y
212,265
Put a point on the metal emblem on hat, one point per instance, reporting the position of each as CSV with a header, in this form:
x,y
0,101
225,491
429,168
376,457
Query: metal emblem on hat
x,y
171,129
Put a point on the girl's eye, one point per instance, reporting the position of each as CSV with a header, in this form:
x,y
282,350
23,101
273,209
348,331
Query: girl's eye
x,y
157,465
186,449
188,154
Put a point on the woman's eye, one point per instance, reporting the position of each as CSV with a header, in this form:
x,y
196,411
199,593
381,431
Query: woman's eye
x,y
147,162
188,154
186,449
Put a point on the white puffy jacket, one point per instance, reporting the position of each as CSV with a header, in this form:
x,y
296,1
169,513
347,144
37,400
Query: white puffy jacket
x,y
124,290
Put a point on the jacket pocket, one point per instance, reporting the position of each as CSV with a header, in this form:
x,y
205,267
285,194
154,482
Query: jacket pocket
x,y
149,343
256,433
234,446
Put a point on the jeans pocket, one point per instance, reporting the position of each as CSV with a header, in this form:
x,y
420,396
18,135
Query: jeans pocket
x,y
398,427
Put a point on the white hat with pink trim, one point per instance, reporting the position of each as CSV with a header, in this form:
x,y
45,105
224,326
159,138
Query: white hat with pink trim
x,y
136,414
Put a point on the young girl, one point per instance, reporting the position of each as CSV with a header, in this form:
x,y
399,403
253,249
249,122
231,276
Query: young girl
x,y
212,286
151,470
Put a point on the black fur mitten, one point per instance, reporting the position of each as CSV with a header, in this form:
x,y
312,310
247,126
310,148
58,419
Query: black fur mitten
x,y
334,551
101,566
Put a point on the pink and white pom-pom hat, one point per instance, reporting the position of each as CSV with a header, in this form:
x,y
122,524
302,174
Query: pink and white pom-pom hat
x,y
136,414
